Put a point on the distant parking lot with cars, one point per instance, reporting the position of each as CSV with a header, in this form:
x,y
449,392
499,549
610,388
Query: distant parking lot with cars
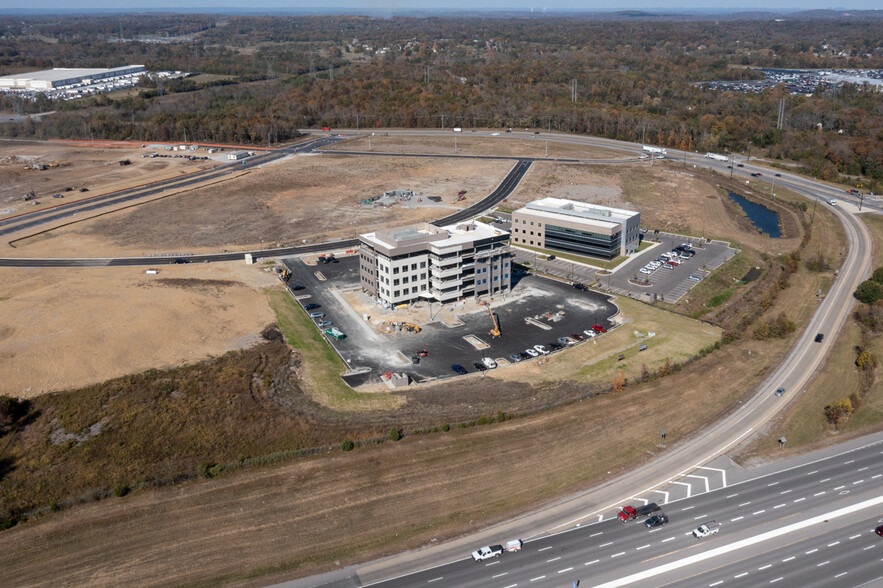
x,y
538,317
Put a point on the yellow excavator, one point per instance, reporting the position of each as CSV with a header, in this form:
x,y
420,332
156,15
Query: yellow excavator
x,y
495,332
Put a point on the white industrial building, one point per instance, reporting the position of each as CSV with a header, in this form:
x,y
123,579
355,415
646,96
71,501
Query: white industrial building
x,y
59,77
426,262
577,227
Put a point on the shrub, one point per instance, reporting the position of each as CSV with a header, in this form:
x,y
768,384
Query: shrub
x,y
869,292
619,382
54,506
838,412
445,427
394,434
877,276
204,469
347,445
120,490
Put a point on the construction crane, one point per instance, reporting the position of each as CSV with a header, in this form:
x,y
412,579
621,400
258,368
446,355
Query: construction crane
x,y
495,331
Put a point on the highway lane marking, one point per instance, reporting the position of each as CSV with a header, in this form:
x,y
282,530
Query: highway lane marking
x,y
818,493
742,543
812,472
596,534
825,480
594,561
777,579
741,575
859,482
669,539
773,484
565,570
736,519
855,536
435,580
606,544
778,506
841,574
688,508
875,477
535,579
553,559
544,549
642,547
868,547
699,517
849,462
833,544
764,567
811,551
493,563
800,499
784,492
789,558
759,512
824,563
499,576
862,469
745,503
617,554
511,586
839,488
733,495
716,583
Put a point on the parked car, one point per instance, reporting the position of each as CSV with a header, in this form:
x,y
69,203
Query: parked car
x,y
524,355
695,278
819,337
579,286
656,521
459,369
550,258
480,366
295,287
599,329
312,306
740,165
317,314
532,352
589,333
554,346
780,391
489,362
515,358
541,350
644,270
577,336
323,324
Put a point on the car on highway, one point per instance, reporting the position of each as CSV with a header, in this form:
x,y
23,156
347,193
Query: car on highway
x,y
541,350
487,552
515,358
488,362
706,530
656,521
459,369
780,391
819,337
532,352
312,306
778,175
740,165
479,366
599,329
180,260
756,174
879,530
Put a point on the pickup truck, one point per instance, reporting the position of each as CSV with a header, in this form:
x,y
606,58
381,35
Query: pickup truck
x,y
706,530
487,552
630,512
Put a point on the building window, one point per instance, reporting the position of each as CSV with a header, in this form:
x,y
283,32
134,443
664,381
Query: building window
x,y
405,280
423,276
413,266
414,290
395,294
395,270
422,265
395,282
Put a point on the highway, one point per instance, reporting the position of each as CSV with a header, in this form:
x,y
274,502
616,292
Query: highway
x,y
805,523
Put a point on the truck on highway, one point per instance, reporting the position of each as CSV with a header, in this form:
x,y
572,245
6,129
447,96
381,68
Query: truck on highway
x,y
487,552
706,530
457,129
717,157
630,512
655,151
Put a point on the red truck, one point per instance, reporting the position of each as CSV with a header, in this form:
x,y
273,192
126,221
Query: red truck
x,y
630,512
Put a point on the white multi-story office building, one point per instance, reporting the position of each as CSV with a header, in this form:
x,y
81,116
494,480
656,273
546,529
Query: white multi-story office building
x,y
426,262
577,227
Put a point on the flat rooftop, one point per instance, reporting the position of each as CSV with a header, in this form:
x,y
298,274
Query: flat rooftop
x,y
65,73
456,234
559,208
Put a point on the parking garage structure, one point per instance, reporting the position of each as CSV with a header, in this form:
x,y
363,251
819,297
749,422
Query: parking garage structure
x,y
425,262
577,227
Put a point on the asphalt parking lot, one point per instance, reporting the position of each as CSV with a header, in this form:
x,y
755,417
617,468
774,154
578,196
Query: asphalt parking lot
x,y
538,311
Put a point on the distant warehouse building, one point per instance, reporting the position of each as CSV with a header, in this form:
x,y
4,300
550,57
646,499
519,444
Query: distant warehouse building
x,y
426,262
238,155
577,227
62,76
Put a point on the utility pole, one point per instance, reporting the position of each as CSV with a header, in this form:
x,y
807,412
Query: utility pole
x,y
443,121
573,90
331,72
780,123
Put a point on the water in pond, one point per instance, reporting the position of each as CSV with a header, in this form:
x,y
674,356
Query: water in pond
x,y
763,218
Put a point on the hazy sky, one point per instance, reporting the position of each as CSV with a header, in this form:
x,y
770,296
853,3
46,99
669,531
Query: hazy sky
x,y
405,6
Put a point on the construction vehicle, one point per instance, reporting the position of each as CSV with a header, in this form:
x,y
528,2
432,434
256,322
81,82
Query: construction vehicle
x,y
283,274
29,196
495,331
461,195
56,163
411,327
